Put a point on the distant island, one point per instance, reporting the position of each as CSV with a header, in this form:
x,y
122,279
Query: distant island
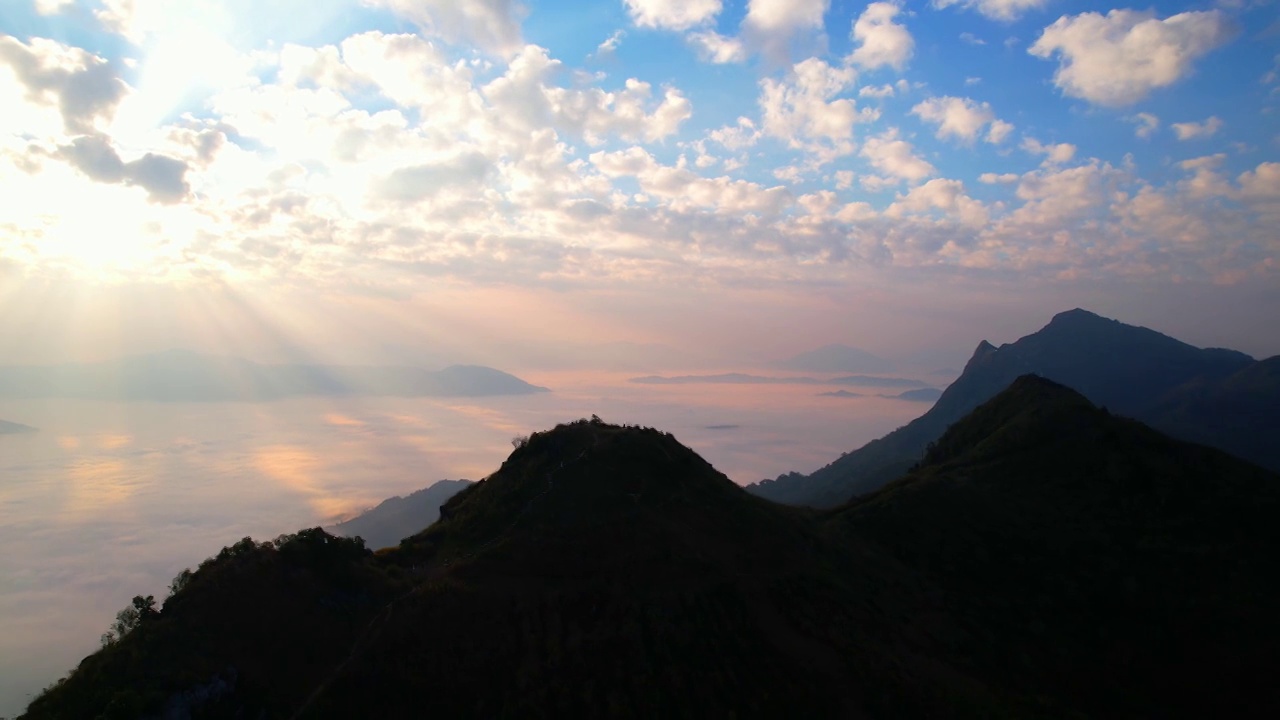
x,y
745,379
928,394
841,394
12,428
183,376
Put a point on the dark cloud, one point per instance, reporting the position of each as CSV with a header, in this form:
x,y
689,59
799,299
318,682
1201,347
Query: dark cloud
x,y
419,182
163,177
49,71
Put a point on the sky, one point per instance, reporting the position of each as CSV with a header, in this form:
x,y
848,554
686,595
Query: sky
x,y
520,182
572,191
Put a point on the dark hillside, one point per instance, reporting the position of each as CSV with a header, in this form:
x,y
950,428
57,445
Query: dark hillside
x,y
1139,571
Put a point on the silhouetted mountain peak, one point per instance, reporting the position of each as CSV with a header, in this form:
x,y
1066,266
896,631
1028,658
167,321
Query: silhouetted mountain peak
x,y
584,472
1030,409
980,353
1078,317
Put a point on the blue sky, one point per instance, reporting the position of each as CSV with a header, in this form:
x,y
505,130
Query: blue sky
x,y
753,154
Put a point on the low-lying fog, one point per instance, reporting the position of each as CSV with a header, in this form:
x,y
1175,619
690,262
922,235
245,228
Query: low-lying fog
x,y
109,500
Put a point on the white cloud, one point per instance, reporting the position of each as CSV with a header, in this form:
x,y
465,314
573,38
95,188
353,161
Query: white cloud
x,y
52,7
998,179
1147,124
881,40
742,135
610,44
525,99
773,25
1005,10
947,196
1119,58
971,39
803,111
716,48
672,14
998,132
876,91
683,189
962,118
896,158
491,25
1195,131
1055,154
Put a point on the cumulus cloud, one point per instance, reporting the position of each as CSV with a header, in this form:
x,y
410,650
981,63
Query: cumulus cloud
x,y
1120,58
896,158
419,182
610,44
672,14
52,7
739,136
492,25
525,97
962,118
945,196
1006,10
163,177
84,87
803,109
1147,124
716,48
774,24
1195,131
682,188
1054,154
880,40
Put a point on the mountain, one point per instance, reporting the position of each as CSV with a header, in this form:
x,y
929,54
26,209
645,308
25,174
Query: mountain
x,y
12,428
745,379
182,376
836,359
1046,559
399,517
1086,556
918,395
1131,370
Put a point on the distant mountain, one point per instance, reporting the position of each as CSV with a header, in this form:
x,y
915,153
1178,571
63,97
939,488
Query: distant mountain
x,y
745,379
841,394
179,375
918,395
836,359
1046,559
12,428
1133,371
399,517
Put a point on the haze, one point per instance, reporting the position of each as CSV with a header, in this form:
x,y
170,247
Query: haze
x,y
575,194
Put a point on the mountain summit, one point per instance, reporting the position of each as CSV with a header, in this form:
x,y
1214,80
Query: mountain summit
x,y
1131,370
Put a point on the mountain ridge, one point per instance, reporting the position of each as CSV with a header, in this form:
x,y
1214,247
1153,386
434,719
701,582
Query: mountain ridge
x,y
1127,368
